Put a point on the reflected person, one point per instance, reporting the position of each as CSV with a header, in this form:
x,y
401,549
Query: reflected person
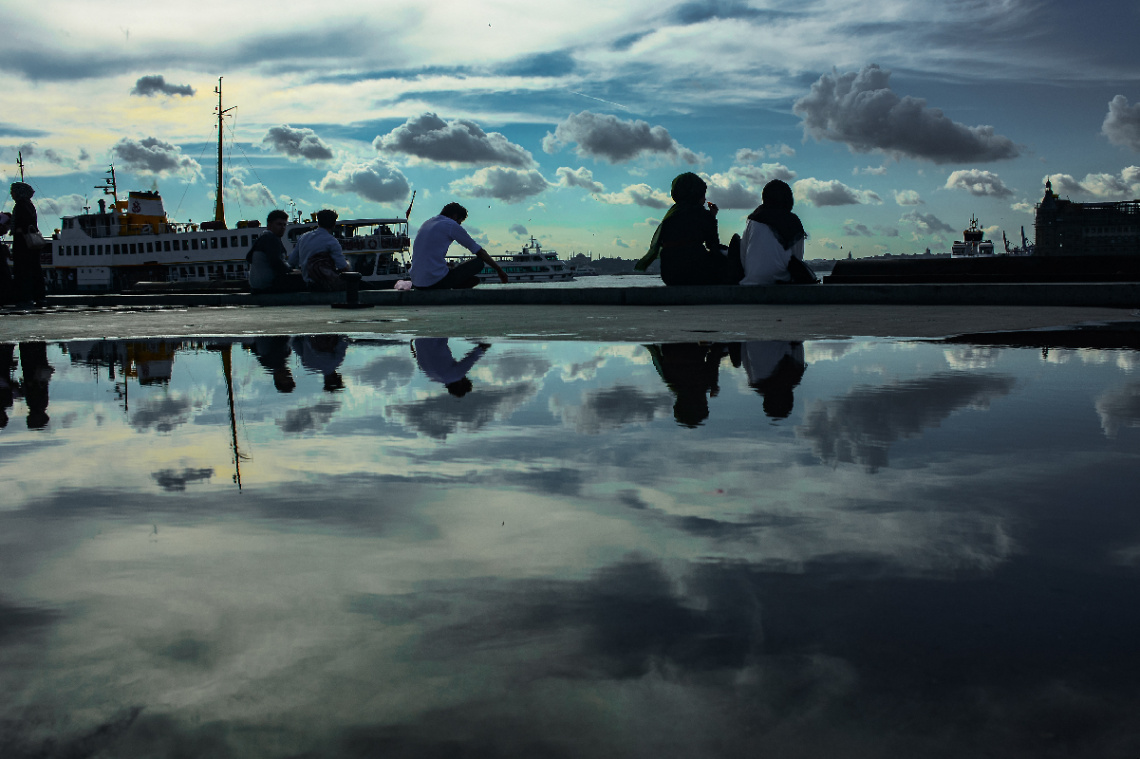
x,y
272,352
692,372
8,387
436,361
774,369
323,354
36,373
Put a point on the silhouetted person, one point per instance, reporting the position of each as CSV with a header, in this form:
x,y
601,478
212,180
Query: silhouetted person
x,y
36,375
7,289
319,256
272,352
323,354
8,388
774,369
687,240
268,262
772,237
436,361
429,253
27,274
692,372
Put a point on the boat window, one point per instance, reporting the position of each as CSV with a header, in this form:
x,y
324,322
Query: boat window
x,y
225,242
233,241
201,271
205,245
116,249
166,245
150,247
213,242
133,250
244,240
194,243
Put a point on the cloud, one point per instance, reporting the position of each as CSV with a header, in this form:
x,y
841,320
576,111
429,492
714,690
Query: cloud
x,y
852,228
861,111
604,137
306,419
752,155
908,198
507,185
30,150
154,156
376,180
430,138
979,183
620,243
518,230
612,408
580,177
1124,185
1119,408
156,84
833,193
638,194
257,195
740,186
297,143
174,481
1122,123
875,171
64,205
927,223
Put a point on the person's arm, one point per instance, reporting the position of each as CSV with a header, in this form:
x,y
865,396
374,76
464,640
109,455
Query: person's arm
x,y
485,257
711,237
338,258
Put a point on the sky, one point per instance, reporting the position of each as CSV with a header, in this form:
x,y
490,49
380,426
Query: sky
x,y
894,122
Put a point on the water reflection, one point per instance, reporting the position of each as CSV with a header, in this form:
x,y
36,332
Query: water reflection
x,y
911,549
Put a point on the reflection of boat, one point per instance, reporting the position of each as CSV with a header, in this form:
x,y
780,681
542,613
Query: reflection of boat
x,y
132,241
533,264
972,245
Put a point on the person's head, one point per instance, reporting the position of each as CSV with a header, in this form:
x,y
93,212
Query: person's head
x,y
688,188
778,195
455,212
326,218
22,191
459,388
276,221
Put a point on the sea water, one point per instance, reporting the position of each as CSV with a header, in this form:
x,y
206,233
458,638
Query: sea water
x,y
376,546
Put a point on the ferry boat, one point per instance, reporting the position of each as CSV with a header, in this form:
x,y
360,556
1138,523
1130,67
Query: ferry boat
x,y
972,245
533,264
132,241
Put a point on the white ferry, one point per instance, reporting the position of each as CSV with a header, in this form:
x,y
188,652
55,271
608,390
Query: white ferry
x,y
533,264
133,241
972,245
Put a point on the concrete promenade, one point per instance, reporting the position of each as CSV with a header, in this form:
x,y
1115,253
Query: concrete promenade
x,y
463,315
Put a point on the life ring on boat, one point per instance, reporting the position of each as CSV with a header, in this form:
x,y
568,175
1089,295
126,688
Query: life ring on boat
x,y
372,244
146,229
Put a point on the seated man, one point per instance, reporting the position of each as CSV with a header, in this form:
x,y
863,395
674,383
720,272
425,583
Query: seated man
x,y
429,264
268,267
319,256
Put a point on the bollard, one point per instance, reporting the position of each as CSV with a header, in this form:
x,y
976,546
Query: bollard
x,y
351,291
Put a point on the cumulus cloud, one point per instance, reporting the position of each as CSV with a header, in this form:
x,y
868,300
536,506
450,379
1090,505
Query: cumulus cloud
x,y
156,84
860,110
875,171
32,151
1124,185
507,185
926,223
64,205
832,193
638,194
297,143
580,177
154,156
620,243
257,195
376,180
740,186
752,155
979,183
908,198
604,137
852,228
518,230
1122,123
461,141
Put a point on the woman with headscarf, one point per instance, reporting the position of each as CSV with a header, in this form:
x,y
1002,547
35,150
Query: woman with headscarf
x,y
27,276
687,240
773,236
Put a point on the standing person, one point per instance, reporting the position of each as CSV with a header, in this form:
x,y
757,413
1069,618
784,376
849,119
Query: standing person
x,y
688,242
429,263
773,237
267,259
27,275
319,256
7,291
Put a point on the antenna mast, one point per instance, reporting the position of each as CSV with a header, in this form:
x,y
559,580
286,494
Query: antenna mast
x,y
219,207
20,163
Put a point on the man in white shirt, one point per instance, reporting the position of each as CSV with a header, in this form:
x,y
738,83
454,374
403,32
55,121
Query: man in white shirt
x,y
429,263
319,256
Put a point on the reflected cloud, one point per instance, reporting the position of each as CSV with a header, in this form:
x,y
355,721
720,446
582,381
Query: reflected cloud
x,y
308,418
443,415
513,367
861,426
174,481
1119,408
163,413
972,357
611,408
387,373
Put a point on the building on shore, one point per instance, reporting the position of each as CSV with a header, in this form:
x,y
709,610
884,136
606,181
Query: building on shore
x,y
1065,228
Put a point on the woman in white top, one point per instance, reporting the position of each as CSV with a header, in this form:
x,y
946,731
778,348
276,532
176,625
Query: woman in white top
x,y
773,237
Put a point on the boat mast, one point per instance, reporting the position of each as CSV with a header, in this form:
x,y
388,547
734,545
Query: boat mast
x,y
20,163
219,207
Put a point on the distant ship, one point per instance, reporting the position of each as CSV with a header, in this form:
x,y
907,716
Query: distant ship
x,y
972,245
533,264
